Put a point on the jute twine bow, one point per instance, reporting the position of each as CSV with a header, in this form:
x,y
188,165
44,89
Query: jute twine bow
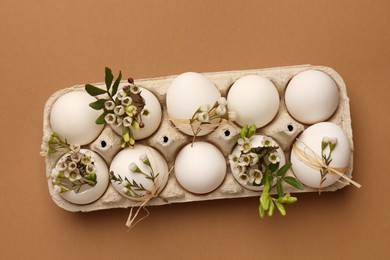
x,y
315,161
196,128
130,223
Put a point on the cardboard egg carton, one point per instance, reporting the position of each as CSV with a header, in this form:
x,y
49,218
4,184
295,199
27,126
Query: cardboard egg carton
x,y
168,140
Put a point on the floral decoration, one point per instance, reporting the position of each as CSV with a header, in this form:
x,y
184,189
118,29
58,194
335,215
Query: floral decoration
x,y
132,188
124,108
206,113
259,166
74,170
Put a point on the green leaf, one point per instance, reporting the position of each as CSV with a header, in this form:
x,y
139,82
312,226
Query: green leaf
x,y
280,208
293,182
98,104
100,120
282,171
108,78
261,211
116,84
271,209
279,188
251,131
94,91
264,201
273,167
244,131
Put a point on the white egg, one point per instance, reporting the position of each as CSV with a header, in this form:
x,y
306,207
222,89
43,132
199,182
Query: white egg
x,y
200,168
152,120
121,166
187,93
89,194
73,119
311,97
255,100
256,141
312,138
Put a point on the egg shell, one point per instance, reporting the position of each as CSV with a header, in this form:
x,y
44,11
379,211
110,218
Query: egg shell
x,y
255,100
89,194
186,94
200,167
120,166
151,121
312,137
73,119
256,142
311,96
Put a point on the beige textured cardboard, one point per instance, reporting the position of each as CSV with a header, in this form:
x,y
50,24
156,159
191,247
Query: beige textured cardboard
x,y
173,193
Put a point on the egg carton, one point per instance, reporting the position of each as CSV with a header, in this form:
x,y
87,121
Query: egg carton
x,y
168,140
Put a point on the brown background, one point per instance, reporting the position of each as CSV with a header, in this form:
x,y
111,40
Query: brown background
x,y
49,45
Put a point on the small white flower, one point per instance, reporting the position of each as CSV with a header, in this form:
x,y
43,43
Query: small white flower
x,y
66,174
125,190
244,160
254,158
121,94
232,116
274,158
86,159
61,166
203,117
144,158
110,118
222,101
243,178
135,89
244,145
205,108
255,176
91,168
221,110
267,142
127,121
75,157
239,168
133,167
333,140
75,148
109,105
325,139
72,166
126,101
119,110
74,176
233,159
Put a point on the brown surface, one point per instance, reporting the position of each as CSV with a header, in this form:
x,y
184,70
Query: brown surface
x,y
49,45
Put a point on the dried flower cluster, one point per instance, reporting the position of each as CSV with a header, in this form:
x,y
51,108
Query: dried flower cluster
x,y
74,170
124,108
205,114
259,166
132,188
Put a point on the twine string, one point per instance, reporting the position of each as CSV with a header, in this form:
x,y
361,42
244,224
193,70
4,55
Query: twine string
x,y
310,158
131,220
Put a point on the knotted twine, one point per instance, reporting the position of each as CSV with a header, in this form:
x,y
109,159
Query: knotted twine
x,y
310,158
145,199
